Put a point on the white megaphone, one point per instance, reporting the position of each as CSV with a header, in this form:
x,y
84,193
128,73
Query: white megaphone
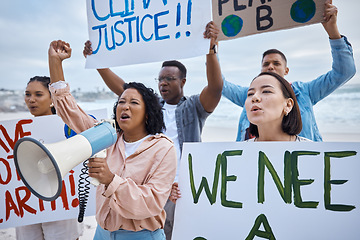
x,y
43,166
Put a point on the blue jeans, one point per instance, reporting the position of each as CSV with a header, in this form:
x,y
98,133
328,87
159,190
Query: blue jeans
x,y
122,234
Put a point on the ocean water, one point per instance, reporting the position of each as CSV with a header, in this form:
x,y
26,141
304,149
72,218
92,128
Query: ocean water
x,y
337,113
340,111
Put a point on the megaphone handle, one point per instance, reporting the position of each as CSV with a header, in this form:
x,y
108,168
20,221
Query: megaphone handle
x,y
94,181
101,154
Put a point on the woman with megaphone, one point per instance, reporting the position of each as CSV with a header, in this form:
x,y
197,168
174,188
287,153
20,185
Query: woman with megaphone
x,y
137,174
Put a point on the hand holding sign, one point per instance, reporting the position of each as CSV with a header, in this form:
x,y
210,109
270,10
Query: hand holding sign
x,y
175,192
87,49
211,32
330,20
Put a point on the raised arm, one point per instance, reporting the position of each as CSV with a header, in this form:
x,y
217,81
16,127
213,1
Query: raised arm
x,y
113,81
343,65
58,51
211,94
64,102
330,20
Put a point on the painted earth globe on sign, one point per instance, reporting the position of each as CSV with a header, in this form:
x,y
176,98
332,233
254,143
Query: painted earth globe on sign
x,y
303,10
231,25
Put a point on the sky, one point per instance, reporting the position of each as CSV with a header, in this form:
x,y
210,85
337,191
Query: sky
x,y
28,27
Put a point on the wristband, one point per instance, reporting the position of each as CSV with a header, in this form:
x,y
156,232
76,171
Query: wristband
x,y
213,49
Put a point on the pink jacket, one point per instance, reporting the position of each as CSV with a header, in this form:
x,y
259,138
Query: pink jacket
x,y
136,197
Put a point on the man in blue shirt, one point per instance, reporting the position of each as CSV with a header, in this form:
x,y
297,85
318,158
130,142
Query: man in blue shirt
x,y
307,93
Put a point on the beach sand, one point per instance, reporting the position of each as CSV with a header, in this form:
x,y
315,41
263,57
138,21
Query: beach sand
x,y
210,134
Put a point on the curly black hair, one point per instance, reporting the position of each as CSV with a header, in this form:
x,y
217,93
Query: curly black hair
x,y
153,110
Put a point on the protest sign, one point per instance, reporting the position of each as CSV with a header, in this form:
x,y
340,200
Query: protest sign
x,y
141,31
18,206
273,190
239,18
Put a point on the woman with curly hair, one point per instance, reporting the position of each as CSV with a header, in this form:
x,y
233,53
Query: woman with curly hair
x,y
137,174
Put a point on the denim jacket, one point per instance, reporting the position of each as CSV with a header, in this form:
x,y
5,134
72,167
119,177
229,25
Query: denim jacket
x,y
190,119
307,93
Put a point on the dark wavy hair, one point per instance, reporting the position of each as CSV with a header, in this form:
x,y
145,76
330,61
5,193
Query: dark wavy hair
x,y
291,124
153,110
45,81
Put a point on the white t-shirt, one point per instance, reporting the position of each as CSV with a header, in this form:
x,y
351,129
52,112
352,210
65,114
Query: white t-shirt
x,y
171,131
130,148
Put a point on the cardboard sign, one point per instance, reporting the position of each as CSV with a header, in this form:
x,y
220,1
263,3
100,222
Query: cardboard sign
x,y
239,18
273,190
141,31
18,206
